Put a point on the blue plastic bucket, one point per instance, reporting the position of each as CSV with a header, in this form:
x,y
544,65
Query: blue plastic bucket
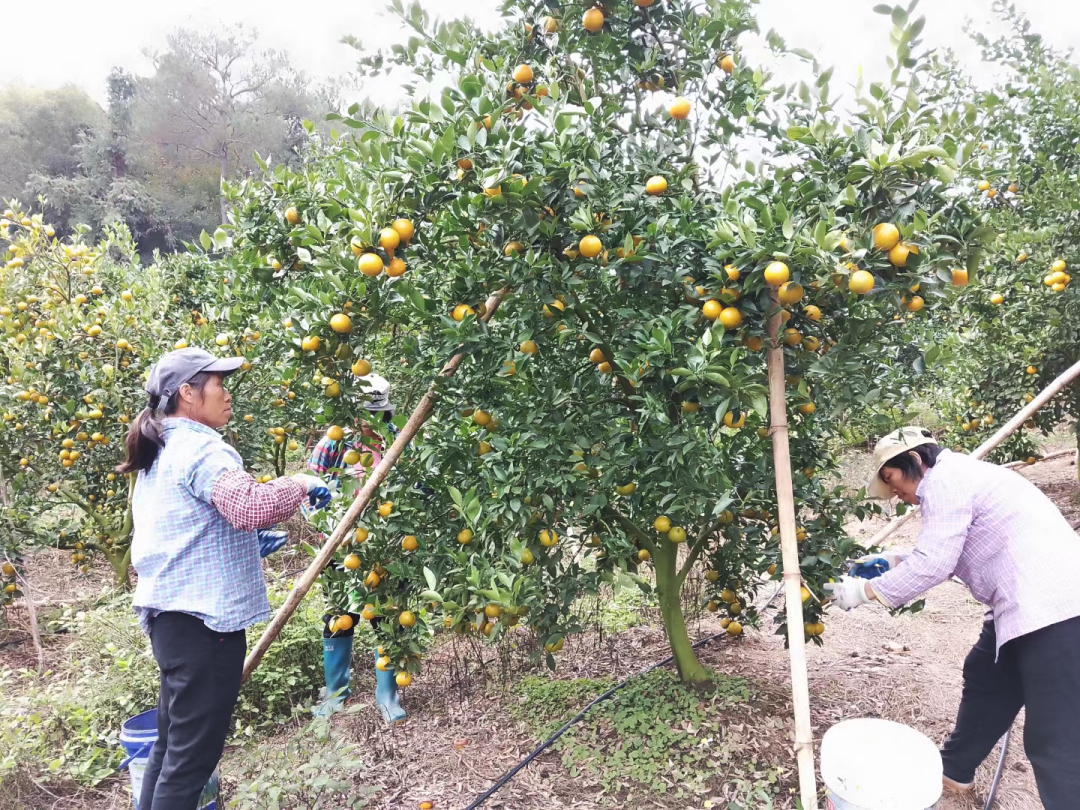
x,y
137,737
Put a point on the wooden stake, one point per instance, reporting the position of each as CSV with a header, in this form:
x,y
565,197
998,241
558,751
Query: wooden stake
x,y
372,481
1002,434
785,498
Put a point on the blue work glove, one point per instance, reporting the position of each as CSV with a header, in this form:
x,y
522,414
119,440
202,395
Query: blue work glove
x,y
271,541
874,565
317,491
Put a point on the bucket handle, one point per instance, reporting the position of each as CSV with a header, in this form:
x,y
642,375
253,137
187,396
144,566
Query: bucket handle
x,y
136,755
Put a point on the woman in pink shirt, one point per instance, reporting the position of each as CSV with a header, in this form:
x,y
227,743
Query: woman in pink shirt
x,y
999,534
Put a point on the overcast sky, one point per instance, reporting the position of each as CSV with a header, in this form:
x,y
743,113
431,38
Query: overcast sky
x,y
81,41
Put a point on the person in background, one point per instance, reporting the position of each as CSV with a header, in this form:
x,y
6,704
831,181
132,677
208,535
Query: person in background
x,y
999,534
197,551
332,457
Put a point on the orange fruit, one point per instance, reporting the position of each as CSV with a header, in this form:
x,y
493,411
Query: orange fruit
x,y
886,235
386,508
407,618
959,277
389,239
754,343
372,580
409,543
396,268
792,336
593,20
656,185
460,311
777,273
676,534
523,74
590,247
335,433
403,679
898,255
997,299
528,347
727,64
404,228
860,282
341,323
790,292
731,421
662,524
292,216
343,622
807,408
812,312
730,317
679,109
465,537
351,562
712,310
370,264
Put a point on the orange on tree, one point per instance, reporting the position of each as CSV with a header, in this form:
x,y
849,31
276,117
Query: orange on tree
x,y
790,292
341,323
776,273
528,347
679,109
523,74
370,264
734,420
886,235
711,309
593,20
656,185
727,64
812,312
861,282
590,246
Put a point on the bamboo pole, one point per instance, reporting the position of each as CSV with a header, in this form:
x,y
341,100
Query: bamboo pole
x,y
372,481
31,613
785,497
1006,430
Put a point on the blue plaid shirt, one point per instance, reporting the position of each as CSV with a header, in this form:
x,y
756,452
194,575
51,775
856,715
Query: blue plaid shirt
x,y
189,558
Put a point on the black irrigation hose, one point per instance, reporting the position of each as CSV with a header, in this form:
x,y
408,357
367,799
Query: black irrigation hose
x,y
506,777
510,774
1000,767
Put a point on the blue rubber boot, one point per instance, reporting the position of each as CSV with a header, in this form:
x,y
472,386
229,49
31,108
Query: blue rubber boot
x,y
337,664
386,695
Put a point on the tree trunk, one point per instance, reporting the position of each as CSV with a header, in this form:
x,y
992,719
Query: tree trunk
x,y
667,591
121,563
221,191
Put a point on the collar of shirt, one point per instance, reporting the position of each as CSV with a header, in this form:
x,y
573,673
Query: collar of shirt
x,y
920,490
174,422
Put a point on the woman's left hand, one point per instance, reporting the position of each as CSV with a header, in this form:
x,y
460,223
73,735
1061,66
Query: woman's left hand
x,y
271,541
848,593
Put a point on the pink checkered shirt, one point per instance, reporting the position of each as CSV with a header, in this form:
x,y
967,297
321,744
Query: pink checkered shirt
x,y
1002,536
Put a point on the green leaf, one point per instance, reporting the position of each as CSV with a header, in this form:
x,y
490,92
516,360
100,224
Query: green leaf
x,y
455,495
205,240
429,575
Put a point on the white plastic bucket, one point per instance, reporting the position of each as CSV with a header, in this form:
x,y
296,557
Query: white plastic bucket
x,y
871,764
137,737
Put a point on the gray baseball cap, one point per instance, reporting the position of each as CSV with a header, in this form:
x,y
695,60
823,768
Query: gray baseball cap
x,y
175,368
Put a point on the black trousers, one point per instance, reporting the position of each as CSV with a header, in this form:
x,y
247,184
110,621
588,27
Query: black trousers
x,y
1039,671
200,681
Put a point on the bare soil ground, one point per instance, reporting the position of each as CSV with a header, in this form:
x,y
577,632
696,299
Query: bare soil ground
x,y
462,735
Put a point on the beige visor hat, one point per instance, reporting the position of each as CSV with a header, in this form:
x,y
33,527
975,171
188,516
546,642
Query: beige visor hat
x,y
897,442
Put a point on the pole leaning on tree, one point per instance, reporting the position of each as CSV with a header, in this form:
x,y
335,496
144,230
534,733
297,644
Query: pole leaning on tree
x,y
363,498
1004,432
785,501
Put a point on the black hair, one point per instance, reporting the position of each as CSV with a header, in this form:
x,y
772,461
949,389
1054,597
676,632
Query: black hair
x,y
908,466
143,441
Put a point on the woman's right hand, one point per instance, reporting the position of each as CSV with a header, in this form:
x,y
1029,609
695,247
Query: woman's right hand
x,y
317,491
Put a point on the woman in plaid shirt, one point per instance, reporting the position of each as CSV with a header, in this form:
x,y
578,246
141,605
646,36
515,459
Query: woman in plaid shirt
x,y
999,534
197,550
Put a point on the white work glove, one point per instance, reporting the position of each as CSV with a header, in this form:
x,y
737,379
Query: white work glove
x,y
317,491
848,593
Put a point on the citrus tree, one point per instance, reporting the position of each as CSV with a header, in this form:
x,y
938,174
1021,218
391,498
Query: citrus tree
x,y
610,418
1017,331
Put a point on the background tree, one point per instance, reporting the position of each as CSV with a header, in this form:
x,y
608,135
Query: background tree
x,y
41,133
214,99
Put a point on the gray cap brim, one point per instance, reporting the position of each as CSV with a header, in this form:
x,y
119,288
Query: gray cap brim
x,y
225,365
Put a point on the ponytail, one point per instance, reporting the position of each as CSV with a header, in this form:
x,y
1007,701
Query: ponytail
x,y
144,438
